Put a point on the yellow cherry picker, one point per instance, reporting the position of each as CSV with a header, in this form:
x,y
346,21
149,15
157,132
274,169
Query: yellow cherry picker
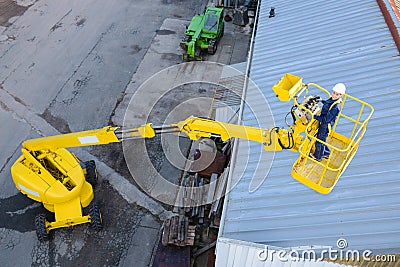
x,y
48,173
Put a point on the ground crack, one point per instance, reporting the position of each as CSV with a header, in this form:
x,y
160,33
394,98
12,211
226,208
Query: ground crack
x,y
109,29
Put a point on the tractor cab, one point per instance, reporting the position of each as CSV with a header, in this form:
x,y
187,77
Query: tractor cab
x,y
203,33
343,138
211,21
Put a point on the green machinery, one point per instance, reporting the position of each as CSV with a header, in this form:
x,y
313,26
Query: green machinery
x,y
203,33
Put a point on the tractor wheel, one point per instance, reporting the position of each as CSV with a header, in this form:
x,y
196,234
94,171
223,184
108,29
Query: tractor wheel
x,y
40,225
96,222
91,172
212,47
197,53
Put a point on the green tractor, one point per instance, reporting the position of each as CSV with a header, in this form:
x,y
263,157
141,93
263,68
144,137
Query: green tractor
x,y
203,33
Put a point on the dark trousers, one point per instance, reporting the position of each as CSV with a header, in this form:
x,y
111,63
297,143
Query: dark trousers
x,y
321,149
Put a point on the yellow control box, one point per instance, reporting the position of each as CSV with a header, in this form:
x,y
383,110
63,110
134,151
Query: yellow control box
x,y
287,87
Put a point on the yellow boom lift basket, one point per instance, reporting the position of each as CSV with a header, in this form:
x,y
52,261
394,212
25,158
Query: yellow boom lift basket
x,y
343,139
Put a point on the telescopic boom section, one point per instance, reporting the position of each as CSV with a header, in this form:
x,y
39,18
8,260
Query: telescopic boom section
x,y
196,128
100,136
193,127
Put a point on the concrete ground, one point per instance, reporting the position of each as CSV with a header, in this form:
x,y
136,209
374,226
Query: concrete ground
x,y
70,66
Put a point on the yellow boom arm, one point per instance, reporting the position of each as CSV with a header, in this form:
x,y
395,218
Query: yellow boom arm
x,y
100,136
195,128
273,139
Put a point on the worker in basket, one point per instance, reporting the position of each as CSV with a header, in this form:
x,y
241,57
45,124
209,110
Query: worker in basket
x,y
329,112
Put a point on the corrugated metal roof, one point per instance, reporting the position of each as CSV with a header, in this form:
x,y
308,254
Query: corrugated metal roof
x,y
324,42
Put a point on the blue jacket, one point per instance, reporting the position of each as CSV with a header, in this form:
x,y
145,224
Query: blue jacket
x,y
328,115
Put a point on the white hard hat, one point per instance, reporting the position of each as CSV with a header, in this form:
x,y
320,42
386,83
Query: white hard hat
x,y
339,88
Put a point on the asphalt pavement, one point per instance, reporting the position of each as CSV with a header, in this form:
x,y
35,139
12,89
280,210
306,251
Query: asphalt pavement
x,y
71,66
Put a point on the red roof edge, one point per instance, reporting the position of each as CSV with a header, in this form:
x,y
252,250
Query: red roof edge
x,y
389,21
